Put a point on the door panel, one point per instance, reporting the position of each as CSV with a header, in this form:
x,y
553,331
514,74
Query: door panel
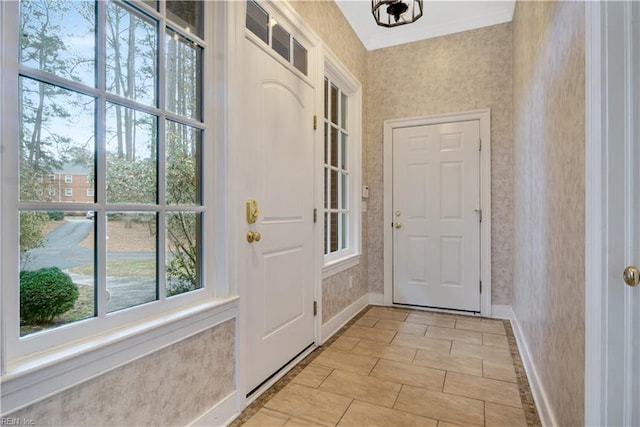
x,y
276,169
436,191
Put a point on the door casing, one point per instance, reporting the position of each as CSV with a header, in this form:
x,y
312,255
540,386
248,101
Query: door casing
x,y
484,116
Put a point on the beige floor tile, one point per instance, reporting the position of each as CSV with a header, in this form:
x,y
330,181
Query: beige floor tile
x,y
309,404
345,343
362,414
358,363
454,334
387,313
361,387
381,335
481,325
404,327
367,321
484,352
418,376
430,319
297,422
441,406
424,343
448,362
503,416
385,351
482,388
446,424
499,371
267,418
495,340
312,375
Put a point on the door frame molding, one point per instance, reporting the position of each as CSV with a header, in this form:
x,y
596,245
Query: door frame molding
x,y
484,116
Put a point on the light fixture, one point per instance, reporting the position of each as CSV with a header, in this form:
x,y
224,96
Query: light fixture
x,y
391,13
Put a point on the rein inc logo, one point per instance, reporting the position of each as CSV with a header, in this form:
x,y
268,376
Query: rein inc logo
x,y
15,421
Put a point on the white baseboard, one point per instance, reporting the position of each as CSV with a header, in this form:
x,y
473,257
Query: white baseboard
x,y
501,312
545,411
376,299
222,414
339,320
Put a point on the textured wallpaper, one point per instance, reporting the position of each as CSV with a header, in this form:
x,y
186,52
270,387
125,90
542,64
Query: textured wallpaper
x,y
166,388
330,25
459,72
549,157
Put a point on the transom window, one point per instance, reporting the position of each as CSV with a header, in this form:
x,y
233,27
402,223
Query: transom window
x,y
114,90
267,29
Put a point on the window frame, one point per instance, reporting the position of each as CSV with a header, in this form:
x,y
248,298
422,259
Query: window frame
x,y
334,263
33,366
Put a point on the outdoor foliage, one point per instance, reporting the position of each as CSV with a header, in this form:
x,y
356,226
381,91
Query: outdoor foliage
x,y
45,294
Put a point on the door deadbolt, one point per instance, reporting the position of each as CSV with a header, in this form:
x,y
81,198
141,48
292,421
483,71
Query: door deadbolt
x,y
631,276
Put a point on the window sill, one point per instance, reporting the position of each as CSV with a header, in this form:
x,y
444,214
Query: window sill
x,y
36,377
334,267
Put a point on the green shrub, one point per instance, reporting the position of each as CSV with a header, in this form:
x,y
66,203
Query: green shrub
x,y
45,294
55,215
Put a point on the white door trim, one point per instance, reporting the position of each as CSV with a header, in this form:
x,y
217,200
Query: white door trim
x,y
484,116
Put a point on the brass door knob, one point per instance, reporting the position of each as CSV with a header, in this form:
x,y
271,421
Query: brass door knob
x,y
631,276
253,236
397,225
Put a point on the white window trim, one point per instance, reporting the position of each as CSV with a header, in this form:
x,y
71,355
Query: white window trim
x,y
24,379
337,262
68,192
68,179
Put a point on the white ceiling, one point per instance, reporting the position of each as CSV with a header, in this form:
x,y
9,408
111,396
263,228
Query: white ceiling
x,y
439,18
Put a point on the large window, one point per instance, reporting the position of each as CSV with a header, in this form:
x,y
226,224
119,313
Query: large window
x,y
111,90
341,169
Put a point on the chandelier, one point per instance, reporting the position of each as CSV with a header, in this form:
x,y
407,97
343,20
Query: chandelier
x,y
391,13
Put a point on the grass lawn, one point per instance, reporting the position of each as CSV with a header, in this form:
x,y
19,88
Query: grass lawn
x,y
122,268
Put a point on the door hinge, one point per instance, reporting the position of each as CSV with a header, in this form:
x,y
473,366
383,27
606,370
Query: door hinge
x,y
480,145
315,215
480,286
315,308
315,122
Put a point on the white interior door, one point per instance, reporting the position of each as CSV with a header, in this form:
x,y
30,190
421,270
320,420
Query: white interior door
x,y
276,170
436,195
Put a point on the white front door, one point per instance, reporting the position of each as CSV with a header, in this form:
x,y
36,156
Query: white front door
x,y
276,170
612,314
436,197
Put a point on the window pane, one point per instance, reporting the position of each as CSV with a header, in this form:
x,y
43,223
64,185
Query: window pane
x,y
59,37
280,41
334,190
184,76
326,98
131,259
152,3
344,155
56,130
334,104
184,252
343,111
326,233
56,260
258,21
345,231
334,147
344,191
333,238
184,150
326,188
326,143
299,57
131,54
131,155
187,14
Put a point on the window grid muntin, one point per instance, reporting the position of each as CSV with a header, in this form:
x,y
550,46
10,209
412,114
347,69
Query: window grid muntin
x,y
342,213
102,97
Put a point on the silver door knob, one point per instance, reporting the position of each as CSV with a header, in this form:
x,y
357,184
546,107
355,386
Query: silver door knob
x,y
631,276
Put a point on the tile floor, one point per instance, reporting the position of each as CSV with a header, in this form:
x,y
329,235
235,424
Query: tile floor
x,y
399,367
